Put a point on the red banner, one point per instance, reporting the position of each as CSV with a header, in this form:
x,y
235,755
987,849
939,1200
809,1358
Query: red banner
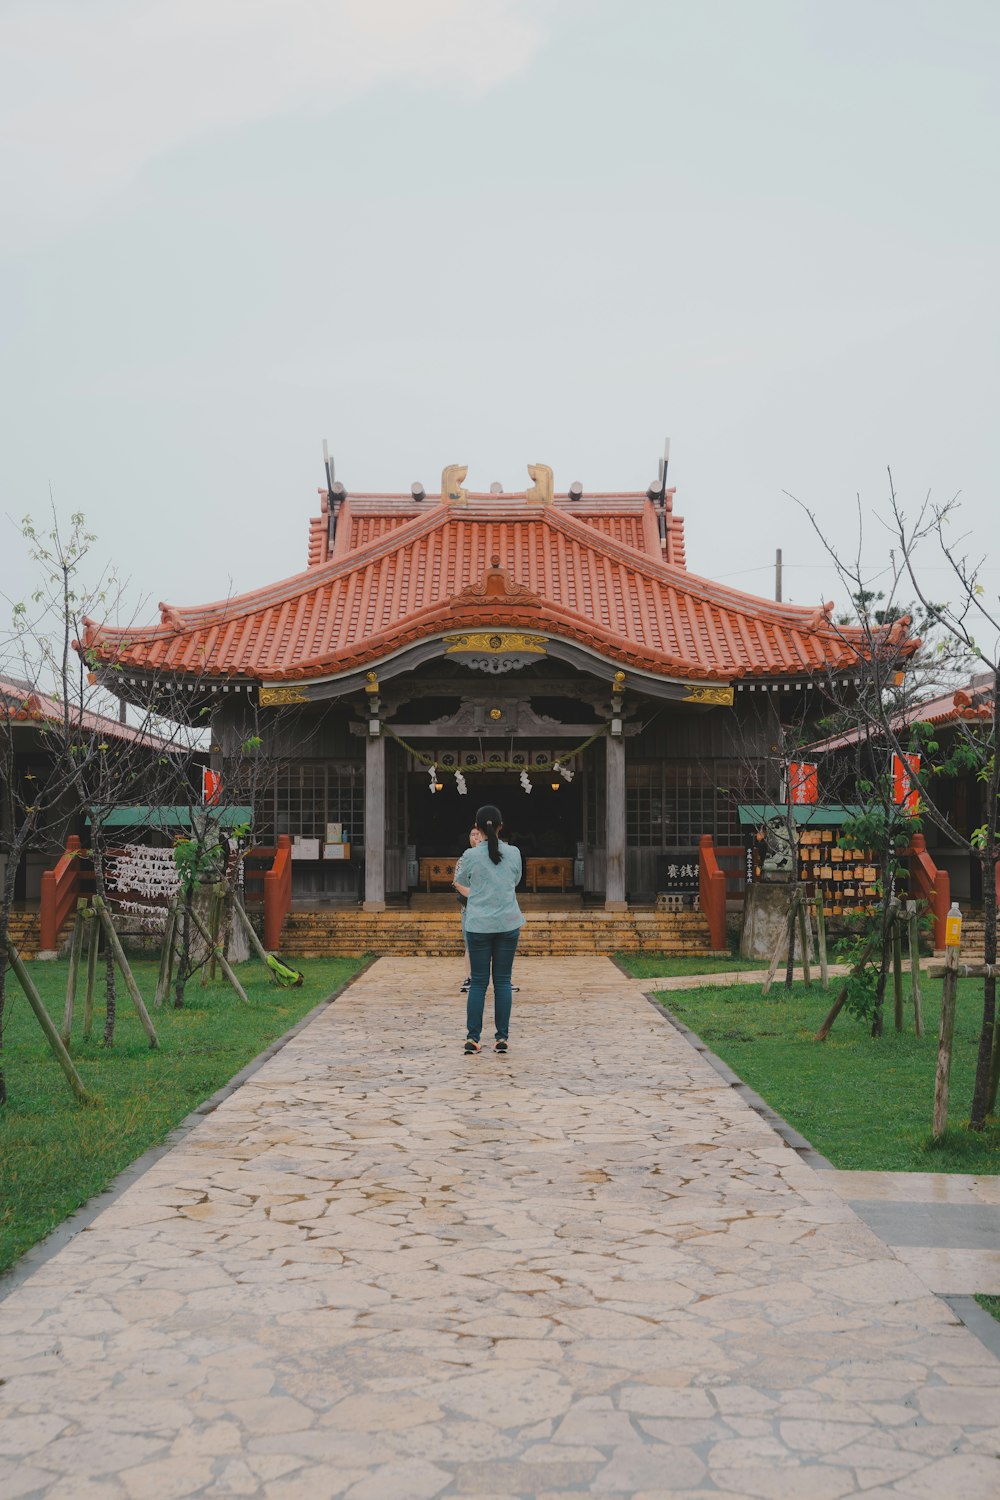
x,y
211,786
803,783
904,793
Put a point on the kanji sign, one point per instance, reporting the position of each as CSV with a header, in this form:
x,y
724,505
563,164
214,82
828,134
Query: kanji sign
x,y
677,870
211,786
904,793
803,782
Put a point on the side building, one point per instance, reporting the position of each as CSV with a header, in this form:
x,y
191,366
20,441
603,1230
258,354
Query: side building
x,y
548,652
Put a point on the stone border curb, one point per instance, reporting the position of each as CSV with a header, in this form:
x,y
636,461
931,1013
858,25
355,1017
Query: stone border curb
x,y
791,1137
82,1218
976,1319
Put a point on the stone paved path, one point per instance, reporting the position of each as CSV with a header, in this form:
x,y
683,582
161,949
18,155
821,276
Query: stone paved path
x,y
382,1269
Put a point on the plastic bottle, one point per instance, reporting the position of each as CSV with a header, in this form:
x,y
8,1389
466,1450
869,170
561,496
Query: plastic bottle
x,y
953,927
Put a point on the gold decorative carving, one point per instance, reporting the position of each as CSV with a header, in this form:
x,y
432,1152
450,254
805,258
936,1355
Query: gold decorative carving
x,y
451,483
544,486
275,697
371,682
496,713
618,682
495,643
721,695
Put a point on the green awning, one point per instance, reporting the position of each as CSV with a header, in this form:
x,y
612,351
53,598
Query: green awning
x,y
174,817
752,814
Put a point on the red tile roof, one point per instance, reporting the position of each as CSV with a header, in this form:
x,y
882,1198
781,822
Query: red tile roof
x,y
628,518
972,702
590,572
20,703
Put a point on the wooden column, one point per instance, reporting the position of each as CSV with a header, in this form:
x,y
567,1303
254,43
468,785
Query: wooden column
x,y
614,886
375,823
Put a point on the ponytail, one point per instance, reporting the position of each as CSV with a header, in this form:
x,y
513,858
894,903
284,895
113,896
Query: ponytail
x,y
489,822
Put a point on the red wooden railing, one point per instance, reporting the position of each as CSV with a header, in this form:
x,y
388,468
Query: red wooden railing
x,y
931,885
278,893
60,889
712,892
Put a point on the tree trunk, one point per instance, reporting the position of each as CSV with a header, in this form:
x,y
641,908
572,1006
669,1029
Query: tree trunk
x,y
790,961
949,987
887,917
3,999
184,958
100,886
985,1086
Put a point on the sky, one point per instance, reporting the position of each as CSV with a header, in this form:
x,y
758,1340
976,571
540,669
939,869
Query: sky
x,y
495,232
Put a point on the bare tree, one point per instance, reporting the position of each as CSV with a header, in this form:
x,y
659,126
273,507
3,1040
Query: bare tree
x,y
964,630
86,758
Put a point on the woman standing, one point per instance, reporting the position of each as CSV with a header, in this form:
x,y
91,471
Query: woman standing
x,y
475,837
487,875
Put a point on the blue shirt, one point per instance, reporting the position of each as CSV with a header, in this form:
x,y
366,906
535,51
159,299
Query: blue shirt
x,y
492,902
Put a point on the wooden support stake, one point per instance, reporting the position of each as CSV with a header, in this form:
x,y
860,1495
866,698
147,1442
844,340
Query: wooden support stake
x,y
824,967
897,970
949,990
225,965
166,956
75,949
93,953
252,938
913,930
114,942
45,1021
804,935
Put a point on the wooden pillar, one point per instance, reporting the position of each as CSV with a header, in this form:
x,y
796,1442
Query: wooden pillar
x,y
375,823
614,885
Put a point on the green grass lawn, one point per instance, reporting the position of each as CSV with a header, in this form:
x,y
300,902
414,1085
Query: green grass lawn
x,y
672,966
866,1105
54,1153
991,1304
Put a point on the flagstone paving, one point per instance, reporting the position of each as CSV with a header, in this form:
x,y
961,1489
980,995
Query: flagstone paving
x,y
387,1271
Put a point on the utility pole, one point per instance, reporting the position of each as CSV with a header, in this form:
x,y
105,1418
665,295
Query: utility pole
x,y
777,575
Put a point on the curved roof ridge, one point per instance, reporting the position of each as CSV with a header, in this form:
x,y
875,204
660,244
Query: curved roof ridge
x,y
191,616
794,615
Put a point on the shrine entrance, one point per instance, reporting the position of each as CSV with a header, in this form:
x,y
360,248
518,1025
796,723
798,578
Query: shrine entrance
x,y
544,823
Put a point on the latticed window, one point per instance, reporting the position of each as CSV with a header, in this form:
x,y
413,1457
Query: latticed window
x,y
669,803
307,795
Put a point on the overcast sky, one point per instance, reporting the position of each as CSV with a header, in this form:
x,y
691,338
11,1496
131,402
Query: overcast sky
x,y
494,232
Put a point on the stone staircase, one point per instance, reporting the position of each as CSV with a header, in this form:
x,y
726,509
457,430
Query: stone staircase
x,y
24,932
351,933
972,938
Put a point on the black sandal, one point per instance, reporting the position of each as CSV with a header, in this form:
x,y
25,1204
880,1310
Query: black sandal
x,y
500,1045
471,1046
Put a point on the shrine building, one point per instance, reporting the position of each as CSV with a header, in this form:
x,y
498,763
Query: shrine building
x,y
552,653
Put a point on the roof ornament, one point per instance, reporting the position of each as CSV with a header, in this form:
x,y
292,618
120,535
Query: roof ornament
x,y
658,494
451,484
169,616
542,489
496,585
821,616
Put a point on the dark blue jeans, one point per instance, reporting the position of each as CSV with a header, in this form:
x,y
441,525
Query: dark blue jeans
x,y
490,951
